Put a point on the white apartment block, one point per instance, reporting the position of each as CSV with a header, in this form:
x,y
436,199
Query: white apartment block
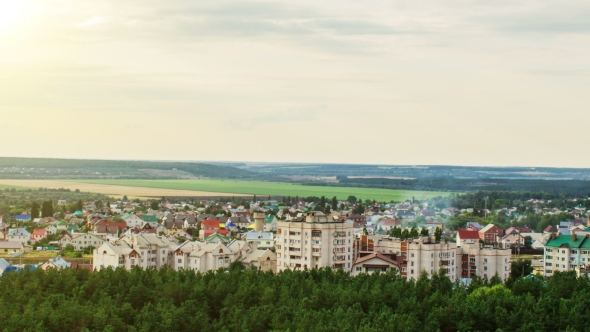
x,y
566,253
143,250
424,254
149,250
314,243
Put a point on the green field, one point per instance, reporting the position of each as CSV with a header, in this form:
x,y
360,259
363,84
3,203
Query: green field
x,y
4,186
271,188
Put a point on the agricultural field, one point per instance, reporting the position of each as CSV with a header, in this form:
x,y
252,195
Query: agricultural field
x,y
231,187
116,191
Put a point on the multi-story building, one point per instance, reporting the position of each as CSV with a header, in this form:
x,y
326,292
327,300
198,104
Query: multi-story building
x,y
424,254
315,242
484,261
149,250
490,234
566,253
144,250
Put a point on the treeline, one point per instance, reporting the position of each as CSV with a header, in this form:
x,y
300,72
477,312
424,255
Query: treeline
x,y
551,187
14,202
316,300
124,169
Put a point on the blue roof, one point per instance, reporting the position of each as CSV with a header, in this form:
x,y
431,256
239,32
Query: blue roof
x,y
22,217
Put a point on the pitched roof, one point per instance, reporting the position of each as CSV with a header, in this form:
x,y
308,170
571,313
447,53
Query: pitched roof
x,y
211,223
466,234
568,242
149,218
376,255
487,228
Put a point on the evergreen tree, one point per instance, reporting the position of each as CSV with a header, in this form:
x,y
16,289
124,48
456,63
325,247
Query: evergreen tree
x,y
47,209
34,210
334,203
79,205
438,234
424,232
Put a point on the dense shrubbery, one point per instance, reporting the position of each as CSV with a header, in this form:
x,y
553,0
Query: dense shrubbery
x,y
317,300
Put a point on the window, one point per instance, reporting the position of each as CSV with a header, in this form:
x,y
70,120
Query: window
x,y
411,271
179,260
358,269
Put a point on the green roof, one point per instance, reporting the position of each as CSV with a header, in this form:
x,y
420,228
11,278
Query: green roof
x,y
78,212
73,227
568,242
217,235
149,218
269,218
62,223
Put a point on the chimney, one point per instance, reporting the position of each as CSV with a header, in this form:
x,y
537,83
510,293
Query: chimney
x,y
553,236
574,237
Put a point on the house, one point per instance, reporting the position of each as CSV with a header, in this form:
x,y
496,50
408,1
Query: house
x,y
38,235
263,240
143,250
513,238
19,235
490,234
550,229
149,219
467,236
264,260
476,226
55,263
11,246
388,223
4,265
217,238
375,262
132,220
62,226
80,241
270,223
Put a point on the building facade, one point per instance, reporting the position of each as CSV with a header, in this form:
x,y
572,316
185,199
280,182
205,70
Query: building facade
x,y
318,241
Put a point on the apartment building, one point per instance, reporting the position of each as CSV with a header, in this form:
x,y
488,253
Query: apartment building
x,y
144,250
149,250
314,242
566,253
484,261
413,256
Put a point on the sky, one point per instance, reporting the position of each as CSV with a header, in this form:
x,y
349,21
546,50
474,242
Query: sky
x,y
418,82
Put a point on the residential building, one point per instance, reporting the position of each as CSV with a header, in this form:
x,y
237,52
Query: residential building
x,y
264,260
132,220
566,253
38,234
144,250
55,263
424,254
467,236
316,242
270,223
11,246
490,234
19,235
263,240
80,241
375,262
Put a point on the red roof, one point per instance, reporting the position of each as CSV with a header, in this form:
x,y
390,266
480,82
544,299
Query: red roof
x,y
210,223
39,231
465,234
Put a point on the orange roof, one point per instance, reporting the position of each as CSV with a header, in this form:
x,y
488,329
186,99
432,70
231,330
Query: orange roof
x,y
468,234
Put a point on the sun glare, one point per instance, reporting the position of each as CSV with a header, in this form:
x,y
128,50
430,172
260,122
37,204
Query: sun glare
x,y
10,11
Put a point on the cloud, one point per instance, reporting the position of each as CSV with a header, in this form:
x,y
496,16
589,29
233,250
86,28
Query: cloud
x,y
96,20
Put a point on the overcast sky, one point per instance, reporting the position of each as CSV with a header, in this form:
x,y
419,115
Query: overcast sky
x,y
388,82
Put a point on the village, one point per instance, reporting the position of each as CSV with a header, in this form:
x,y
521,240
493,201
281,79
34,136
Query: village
x,y
271,236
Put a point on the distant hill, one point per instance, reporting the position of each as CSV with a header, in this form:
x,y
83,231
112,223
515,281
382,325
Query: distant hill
x,y
41,168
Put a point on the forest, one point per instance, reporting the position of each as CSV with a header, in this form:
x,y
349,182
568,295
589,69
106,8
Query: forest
x,y
39,168
311,300
550,187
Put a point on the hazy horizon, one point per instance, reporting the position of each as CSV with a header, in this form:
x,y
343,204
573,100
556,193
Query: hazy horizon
x,y
460,83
